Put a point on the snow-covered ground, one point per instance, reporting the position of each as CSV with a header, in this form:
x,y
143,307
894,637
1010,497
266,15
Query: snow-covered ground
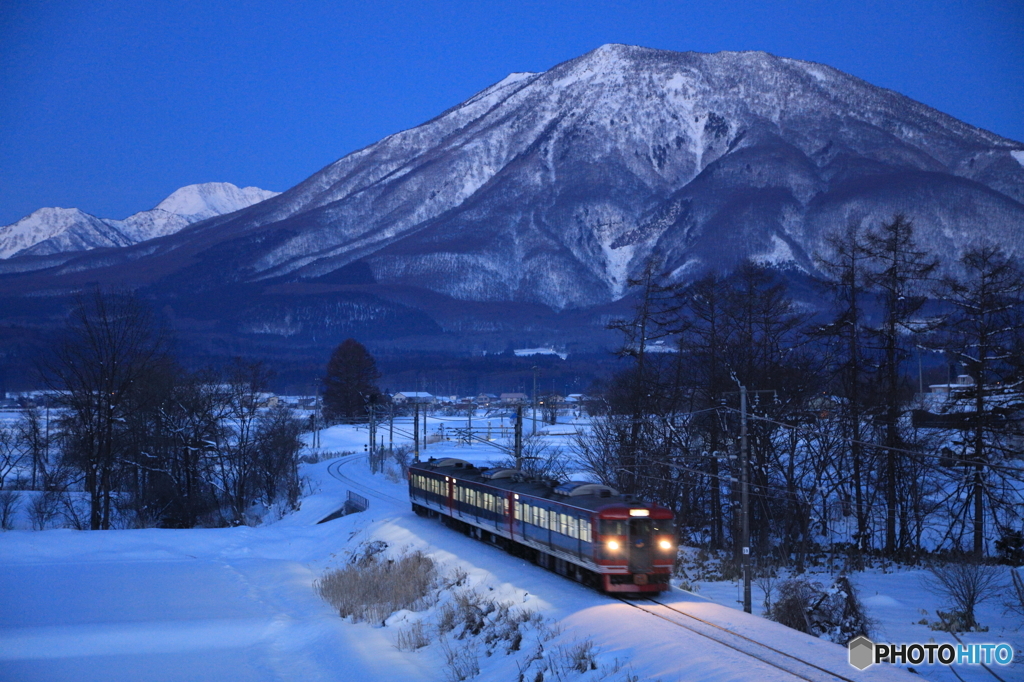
x,y
239,604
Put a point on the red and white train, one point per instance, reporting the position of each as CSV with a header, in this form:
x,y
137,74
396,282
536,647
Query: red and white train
x,y
586,531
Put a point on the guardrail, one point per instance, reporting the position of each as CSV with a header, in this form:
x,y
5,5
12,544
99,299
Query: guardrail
x,y
353,503
356,503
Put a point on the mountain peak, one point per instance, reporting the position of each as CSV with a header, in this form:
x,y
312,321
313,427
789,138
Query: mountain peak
x,y
56,230
212,198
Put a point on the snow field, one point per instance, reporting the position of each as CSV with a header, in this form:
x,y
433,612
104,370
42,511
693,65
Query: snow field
x,y
239,603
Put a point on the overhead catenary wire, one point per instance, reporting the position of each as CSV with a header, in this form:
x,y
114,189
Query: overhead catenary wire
x,y
914,453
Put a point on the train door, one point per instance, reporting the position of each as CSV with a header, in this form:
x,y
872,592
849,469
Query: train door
x,y
640,545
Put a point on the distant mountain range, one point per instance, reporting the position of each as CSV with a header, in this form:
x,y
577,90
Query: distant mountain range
x,y
518,216
63,230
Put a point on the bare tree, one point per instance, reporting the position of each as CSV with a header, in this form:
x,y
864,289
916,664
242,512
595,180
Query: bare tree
x,y
965,584
846,268
983,330
237,452
277,449
11,454
108,346
901,274
193,421
539,460
33,438
9,500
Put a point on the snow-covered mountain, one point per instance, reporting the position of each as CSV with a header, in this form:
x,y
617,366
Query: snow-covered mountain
x,y
542,194
58,230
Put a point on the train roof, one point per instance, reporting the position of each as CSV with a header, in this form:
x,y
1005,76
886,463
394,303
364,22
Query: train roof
x,y
581,494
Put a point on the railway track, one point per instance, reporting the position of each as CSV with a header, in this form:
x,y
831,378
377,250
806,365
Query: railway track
x,y
334,469
788,663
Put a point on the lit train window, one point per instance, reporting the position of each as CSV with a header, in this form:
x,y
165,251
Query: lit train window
x,y
585,530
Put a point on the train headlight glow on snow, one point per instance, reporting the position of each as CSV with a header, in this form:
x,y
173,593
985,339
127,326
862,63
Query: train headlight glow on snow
x,y
665,544
612,545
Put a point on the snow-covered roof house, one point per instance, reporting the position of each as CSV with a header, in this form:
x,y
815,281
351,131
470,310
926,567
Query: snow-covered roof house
x,y
410,397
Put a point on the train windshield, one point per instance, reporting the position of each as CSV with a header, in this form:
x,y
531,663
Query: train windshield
x,y
664,527
613,527
640,528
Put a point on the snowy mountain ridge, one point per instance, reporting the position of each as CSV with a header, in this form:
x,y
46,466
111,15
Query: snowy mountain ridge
x,y
555,187
520,214
58,230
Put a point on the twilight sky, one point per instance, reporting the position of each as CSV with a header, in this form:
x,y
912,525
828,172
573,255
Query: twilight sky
x,y
110,106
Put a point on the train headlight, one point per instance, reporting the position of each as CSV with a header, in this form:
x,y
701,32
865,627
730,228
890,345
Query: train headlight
x,y
665,544
613,545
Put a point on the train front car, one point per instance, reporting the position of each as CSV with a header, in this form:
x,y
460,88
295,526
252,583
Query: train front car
x,y
635,547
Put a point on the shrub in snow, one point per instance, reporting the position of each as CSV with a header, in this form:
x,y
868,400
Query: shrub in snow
x,y
766,576
794,600
373,587
963,585
412,638
43,509
567,662
461,662
835,614
695,565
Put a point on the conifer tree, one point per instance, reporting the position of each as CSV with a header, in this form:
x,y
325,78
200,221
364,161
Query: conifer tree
x,y
350,383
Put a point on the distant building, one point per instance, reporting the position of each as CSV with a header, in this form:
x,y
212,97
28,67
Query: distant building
x,y
512,398
486,399
963,383
527,352
410,397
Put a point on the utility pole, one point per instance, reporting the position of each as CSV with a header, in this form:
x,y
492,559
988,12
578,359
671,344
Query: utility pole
x,y
391,427
519,435
744,495
316,416
416,430
424,427
373,439
535,401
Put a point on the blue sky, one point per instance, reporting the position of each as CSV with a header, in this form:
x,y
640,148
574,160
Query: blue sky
x,y
109,106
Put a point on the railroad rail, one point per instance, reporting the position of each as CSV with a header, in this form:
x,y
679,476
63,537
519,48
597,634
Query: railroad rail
x,y
795,666
334,469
